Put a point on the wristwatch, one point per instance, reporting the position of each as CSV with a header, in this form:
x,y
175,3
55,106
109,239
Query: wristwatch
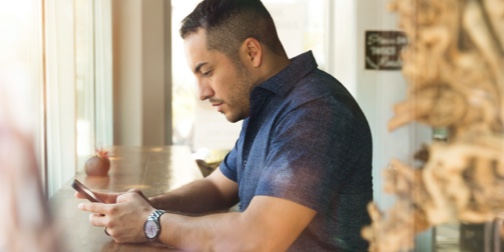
x,y
152,227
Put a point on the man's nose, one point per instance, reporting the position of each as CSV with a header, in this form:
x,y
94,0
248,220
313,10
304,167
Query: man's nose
x,y
205,91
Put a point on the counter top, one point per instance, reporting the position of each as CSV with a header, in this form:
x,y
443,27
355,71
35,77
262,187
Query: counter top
x,y
154,170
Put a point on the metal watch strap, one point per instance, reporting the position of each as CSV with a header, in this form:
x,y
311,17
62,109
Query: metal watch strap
x,y
154,216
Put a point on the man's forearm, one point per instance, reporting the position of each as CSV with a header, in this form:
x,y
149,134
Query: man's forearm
x,y
268,224
215,232
198,197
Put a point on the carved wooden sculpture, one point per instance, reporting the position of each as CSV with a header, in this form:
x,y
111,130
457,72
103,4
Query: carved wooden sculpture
x,y
454,65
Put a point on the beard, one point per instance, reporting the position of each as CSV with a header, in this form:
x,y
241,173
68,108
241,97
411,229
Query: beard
x,y
239,100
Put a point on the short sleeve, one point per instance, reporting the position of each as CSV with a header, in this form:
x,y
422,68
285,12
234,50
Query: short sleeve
x,y
228,166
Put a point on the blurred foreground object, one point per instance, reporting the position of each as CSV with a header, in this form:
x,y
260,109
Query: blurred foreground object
x,y
26,225
454,65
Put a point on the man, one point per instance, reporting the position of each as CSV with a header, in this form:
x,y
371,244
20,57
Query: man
x,y
300,170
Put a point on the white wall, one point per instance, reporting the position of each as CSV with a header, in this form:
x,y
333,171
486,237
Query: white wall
x,y
141,72
127,62
376,91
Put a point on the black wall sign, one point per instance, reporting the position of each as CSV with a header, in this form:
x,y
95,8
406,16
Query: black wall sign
x,y
383,49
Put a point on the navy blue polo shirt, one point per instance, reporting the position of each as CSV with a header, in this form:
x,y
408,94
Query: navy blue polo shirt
x,y
306,140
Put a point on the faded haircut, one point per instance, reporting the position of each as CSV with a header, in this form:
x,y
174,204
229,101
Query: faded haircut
x,y
230,22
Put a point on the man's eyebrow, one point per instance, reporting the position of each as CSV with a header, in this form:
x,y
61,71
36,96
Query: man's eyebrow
x,y
198,67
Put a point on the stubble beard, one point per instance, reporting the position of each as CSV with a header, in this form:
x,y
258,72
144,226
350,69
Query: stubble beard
x,y
240,102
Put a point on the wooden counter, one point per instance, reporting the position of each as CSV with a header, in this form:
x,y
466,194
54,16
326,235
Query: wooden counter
x,y
153,170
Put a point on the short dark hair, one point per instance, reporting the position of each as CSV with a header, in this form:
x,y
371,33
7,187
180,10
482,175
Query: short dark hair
x,y
229,22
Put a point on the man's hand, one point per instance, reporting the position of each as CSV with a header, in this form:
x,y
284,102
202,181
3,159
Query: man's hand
x,y
124,219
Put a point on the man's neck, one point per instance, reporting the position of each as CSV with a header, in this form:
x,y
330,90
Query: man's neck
x,y
273,64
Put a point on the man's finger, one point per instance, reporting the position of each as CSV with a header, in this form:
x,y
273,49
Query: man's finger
x,y
108,197
139,193
130,195
98,220
79,196
100,208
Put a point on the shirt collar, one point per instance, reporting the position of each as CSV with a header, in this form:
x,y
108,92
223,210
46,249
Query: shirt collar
x,y
285,80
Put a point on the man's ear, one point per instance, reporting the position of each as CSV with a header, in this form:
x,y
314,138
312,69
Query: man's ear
x,y
252,52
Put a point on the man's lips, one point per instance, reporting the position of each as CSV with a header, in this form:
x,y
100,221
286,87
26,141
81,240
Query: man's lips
x,y
218,105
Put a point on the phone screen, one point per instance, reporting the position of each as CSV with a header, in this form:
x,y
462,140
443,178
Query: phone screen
x,y
82,189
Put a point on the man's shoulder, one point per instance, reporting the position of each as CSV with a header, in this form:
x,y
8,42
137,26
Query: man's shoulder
x,y
317,85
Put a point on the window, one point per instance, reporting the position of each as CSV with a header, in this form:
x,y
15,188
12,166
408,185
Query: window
x,y
54,47
21,79
93,77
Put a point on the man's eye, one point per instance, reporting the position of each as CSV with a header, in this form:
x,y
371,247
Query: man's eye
x,y
206,74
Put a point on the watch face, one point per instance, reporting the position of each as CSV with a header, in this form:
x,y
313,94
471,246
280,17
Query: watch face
x,y
151,229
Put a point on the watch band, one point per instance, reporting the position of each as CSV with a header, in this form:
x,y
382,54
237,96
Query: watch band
x,y
154,219
156,214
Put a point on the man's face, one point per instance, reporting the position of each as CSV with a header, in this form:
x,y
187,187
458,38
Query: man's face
x,y
225,83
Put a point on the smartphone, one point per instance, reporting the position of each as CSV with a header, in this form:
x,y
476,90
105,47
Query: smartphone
x,y
82,189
